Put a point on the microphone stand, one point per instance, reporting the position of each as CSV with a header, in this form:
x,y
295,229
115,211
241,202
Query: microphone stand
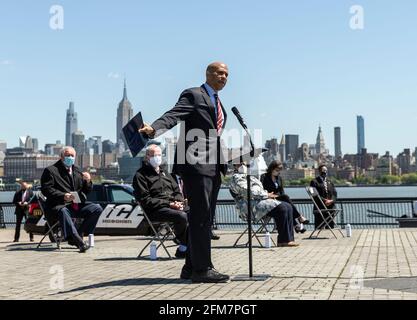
x,y
252,277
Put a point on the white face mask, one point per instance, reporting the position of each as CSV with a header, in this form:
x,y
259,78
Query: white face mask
x,y
243,169
155,161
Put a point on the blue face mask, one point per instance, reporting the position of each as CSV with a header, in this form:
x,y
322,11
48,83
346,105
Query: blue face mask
x,y
69,161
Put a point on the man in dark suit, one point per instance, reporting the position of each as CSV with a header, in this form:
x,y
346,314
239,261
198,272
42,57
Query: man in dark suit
x,y
199,160
21,200
328,194
59,182
160,196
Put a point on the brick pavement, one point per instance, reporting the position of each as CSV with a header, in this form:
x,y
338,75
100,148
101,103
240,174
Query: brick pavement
x,y
373,264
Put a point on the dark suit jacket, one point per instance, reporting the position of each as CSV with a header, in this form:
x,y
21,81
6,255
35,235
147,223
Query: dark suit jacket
x,y
192,157
56,182
18,198
270,186
331,191
155,191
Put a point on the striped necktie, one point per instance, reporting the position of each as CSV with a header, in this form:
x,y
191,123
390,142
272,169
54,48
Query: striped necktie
x,y
220,119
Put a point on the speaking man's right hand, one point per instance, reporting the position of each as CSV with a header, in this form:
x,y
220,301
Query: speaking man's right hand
x,y
147,129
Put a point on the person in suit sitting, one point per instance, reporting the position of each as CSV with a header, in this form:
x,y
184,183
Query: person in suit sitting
x,y
160,196
21,200
263,204
328,194
273,183
58,182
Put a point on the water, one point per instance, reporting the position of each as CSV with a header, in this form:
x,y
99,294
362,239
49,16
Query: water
x,y
300,193
349,192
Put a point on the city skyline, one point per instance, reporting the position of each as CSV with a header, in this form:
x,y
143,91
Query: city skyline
x,y
291,69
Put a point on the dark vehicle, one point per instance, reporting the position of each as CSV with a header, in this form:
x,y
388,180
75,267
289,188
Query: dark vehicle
x,y
121,214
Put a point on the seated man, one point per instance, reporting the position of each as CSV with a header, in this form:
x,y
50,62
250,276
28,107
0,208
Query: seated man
x,y
57,183
160,196
263,204
328,194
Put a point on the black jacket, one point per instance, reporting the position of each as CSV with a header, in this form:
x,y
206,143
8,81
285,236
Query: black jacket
x,y
155,191
270,186
18,198
56,182
193,155
331,191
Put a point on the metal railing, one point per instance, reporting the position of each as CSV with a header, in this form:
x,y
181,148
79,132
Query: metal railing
x,y
359,213
363,213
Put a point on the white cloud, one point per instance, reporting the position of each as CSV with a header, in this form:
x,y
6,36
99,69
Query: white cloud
x,y
113,75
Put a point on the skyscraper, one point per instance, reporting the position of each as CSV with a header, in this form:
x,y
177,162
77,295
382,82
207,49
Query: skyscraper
x,y
338,142
320,145
124,115
291,146
78,142
71,124
361,133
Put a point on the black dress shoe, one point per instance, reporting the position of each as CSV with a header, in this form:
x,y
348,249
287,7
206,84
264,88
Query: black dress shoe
x,y
214,236
186,273
83,248
180,254
303,230
209,276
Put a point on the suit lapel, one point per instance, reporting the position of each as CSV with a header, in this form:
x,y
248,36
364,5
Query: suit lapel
x,y
63,172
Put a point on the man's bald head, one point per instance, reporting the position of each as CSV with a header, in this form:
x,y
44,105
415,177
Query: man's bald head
x,y
217,74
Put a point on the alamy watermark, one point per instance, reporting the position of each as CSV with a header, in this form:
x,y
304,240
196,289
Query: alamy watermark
x,y
357,21
56,21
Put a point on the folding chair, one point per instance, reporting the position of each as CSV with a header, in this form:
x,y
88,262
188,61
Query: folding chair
x,y
255,232
53,231
161,232
315,197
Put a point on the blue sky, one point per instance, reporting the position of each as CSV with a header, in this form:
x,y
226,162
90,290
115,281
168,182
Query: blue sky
x,y
293,65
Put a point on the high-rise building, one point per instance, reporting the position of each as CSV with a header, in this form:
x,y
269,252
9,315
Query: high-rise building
x,y
281,149
22,163
361,133
108,146
3,145
71,124
291,146
124,115
78,142
320,144
94,145
338,142
404,161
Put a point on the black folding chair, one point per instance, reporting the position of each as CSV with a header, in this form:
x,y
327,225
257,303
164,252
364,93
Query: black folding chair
x,y
52,226
328,218
161,232
263,228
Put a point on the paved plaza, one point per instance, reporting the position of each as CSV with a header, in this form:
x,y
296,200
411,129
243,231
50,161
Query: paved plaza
x,y
373,264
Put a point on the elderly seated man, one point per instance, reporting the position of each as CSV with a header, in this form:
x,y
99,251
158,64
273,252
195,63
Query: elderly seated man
x,y
263,204
160,196
59,184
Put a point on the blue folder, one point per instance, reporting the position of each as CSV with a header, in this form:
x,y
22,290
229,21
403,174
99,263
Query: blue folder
x,y
135,140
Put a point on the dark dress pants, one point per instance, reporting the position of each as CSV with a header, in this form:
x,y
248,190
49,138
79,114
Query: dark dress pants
x,y
19,219
202,197
295,212
283,218
178,218
90,212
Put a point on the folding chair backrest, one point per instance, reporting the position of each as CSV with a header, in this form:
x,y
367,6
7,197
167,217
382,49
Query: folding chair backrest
x,y
315,196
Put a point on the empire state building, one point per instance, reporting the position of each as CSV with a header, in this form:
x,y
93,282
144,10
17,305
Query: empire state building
x,y
124,115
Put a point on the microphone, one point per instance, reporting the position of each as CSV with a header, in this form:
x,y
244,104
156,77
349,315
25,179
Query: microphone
x,y
239,117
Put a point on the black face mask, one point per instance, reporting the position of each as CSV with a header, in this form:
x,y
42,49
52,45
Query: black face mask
x,y
323,174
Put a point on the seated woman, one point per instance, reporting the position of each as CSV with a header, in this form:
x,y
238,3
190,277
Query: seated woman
x,y
263,204
273,183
